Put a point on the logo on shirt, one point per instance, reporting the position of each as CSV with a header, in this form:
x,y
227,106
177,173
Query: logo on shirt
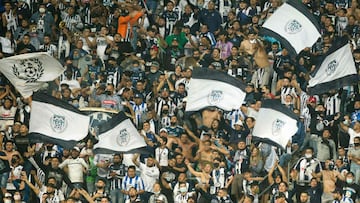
x,y
58,123
29,70
331,67
215,97
277,125
123,138
293,27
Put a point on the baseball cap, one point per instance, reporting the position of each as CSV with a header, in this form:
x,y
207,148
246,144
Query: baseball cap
x,y
76,148
8,194
312,99
163,130
155,64
154,47
251,85
137,95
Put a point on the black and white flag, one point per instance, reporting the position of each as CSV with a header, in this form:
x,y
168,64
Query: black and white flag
x,y
275,123
119,135
29,72
213,88
55,121
336,69
293,25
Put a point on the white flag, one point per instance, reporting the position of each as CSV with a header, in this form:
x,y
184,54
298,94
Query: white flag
x,y
119,135
55,121
275,123
293,25
212,88
336,70
29,72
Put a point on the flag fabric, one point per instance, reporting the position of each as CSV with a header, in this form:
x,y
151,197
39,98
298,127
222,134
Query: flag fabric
x,y
119,135
55,121
275,123
336,69
213,88
293,25
29,72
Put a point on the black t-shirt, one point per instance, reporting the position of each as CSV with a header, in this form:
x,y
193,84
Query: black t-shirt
x,y
4,164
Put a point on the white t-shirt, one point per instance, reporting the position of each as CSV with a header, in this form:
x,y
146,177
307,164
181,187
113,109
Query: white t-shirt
x,y
7,117
149,175
101,46
352,135
76,174
6,45
162,156
102,159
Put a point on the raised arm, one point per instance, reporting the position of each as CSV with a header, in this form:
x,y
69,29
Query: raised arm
x,y
191,169
192,135
25,179
135,160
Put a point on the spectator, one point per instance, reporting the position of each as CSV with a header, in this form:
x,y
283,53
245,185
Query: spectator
x,y
149,173
132,185
76,167
157,196
116,175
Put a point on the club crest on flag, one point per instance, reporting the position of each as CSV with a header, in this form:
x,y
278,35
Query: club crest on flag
x,y
58,123
29,70
215,97
293,26
331,67
276,126
123,138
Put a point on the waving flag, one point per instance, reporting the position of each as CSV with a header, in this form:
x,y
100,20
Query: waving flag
x,y
275,123
336,70
29,72
55,121
293,25
212,88
119,135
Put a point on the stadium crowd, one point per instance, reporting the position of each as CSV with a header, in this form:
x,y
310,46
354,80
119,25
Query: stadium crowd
x,y
138,56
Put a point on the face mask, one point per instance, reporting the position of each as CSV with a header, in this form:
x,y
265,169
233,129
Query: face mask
x,y
13,161
153,70
356,144
108,92
183,189
308,156
165,111
173,123
42,10
349,180
157,193
216,165
346,122
253,41
7,201
17,197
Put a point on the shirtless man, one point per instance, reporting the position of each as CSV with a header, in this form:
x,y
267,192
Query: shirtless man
x,y
205,153
253,47
203,176
329,176
187,146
